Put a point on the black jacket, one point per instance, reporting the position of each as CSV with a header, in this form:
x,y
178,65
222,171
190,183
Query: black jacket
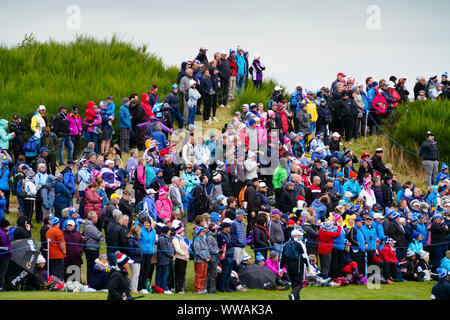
x,y
288,200
377,164
138,115
19,129
344,108
311,232
21,232
173,101
116,236
418,87
199,194
225,183
251,196
441,290
60,125
388,195
438,233
398,234
324,114
224,69
260,238
118,285
429,151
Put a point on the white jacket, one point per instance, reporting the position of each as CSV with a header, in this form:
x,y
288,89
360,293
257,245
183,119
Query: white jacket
x,y
202,154
251,169
370,197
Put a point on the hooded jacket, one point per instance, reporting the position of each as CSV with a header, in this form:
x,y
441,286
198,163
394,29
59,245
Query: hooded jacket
x,y
124,117
75,124
379,98
4,136
21,232
48,192
146,105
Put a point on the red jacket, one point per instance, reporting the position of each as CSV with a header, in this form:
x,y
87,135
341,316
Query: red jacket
x,y
326,240
147,107
388,254
379,99
92,202
233,65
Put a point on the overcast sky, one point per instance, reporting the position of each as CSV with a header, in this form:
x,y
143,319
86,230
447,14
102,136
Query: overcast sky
x,y
300,42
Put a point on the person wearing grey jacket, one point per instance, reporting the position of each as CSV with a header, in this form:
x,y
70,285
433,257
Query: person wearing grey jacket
x,y
164,255
201,259
276,231
93,238
211,241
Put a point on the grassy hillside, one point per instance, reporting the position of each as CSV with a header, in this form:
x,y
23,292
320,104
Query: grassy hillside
x,y
73,73
409,123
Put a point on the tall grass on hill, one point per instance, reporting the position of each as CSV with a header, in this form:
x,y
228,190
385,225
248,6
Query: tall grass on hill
x,y
73,73
409,123
251,95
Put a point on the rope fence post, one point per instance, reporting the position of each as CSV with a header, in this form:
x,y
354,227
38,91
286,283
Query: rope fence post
x,y
48,257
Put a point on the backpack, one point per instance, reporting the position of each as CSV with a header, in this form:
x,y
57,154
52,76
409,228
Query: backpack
x,y
291,252
31,145
104,217
241,196
52,123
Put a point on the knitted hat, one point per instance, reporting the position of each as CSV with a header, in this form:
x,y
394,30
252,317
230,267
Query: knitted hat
x,y
199,230
410,253
246,257
395,215
297,232
276,211
40,259
122,258
340,174
390,240
54,221
251,122
259,258
424,254
415,235
353,174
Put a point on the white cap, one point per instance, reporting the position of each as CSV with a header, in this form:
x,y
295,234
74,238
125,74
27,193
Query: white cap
x,y
296,232
41,107
227,220
278,88
223,52
378,215
262,185
150,191
108,162
391,85
71,222
336,134
191,82
380,90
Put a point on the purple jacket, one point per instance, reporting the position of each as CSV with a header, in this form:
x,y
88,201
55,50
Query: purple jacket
x,y
97,122
257,70
75,125
5,245
163,127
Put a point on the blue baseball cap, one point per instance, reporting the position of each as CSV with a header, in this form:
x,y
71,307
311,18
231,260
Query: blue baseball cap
x,y
340,174
241,212
358,219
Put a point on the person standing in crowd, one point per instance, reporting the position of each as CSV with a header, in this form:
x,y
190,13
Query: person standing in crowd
x,y
148,241
173,101
242,71
39,120
181,248
61,127
74,247
124,125
430,158
165,254
138,116
225,73
5,251
256,71
93,237
17,143
57,248
76,130
92,122
233,78
295,258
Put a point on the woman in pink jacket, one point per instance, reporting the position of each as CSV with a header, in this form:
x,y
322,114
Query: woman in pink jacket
x,y
163,204
273,263
92,126
76,129
379,104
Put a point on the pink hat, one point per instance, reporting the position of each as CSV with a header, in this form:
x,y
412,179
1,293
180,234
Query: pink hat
x,y
162,191
336,217
270,113
286,140
96,173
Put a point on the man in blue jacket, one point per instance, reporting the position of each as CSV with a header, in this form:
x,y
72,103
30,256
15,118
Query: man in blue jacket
x,y
370,238
238,238
124,125
242,70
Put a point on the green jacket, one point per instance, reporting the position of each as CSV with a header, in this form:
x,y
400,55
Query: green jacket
x,y
50,142
279,175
